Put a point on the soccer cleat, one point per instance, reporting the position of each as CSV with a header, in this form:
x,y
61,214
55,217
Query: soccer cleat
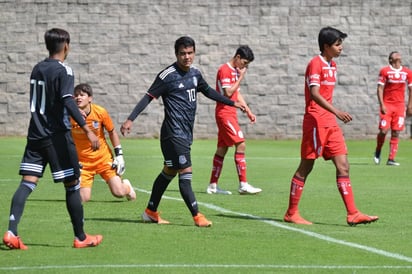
x,y
149,216
90,241
377,157
392,163
360,218
13,241
296,219
246,188
131,196
214,189
201,221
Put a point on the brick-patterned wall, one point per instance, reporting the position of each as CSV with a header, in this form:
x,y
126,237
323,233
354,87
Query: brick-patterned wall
x,y
118,46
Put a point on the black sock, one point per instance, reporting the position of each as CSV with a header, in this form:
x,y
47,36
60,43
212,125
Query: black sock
x,y
75,209
185,187
159,187
17,204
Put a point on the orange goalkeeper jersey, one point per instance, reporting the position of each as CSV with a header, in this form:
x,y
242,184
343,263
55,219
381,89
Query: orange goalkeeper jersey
x,y
98,120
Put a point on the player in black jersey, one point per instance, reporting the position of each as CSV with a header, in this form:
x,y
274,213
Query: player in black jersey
x,y
49,140
178,85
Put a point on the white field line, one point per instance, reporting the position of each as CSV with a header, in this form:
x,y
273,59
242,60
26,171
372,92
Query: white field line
x,y
240,266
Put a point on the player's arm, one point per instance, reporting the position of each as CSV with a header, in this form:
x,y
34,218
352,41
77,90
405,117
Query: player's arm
x,y
409,106
379,93
74,112
318,98
216,96
118,162
249,113
141,105
228,91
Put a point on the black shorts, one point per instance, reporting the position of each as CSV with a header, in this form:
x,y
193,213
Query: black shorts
x,y
176,153
59,151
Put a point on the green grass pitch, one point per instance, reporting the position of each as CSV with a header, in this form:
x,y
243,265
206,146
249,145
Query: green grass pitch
x,y
248,234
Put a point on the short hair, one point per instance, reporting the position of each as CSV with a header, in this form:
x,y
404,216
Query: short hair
x,y
55,39
83,87
391,56
186,42
329,36
245,53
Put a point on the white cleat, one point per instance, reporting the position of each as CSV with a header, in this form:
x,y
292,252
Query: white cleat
x,y
214,189
246,188
132,194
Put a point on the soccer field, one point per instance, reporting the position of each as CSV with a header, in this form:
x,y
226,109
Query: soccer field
x,y
248,234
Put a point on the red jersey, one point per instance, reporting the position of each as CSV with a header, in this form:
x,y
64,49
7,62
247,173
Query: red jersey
x,y
323,74
225,78
394,82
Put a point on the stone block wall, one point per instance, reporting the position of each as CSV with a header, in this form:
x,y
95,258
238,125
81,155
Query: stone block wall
x,y
118,46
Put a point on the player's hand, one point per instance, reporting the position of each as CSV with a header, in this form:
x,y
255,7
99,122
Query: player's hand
x,y
344,116
252,117
383,109
119,165
93,140
126,127
241,106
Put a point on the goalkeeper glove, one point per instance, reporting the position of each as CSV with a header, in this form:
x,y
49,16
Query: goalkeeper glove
x,y
118,162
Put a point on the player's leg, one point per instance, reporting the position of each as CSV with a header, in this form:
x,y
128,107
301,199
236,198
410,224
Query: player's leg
x,y
31,169
66,169
121,188
216,171
384,126
240,162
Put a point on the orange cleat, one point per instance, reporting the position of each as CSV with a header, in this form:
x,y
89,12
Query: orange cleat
x,y
296,219
90,241
360,218
201,221
13,241
150,216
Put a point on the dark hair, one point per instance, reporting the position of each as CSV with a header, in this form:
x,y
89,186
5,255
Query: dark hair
x,y
55,39
245,53
391,56
83,87
186,42
329,36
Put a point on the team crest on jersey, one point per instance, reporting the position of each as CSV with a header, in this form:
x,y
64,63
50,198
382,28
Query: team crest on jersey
x,y
182,159
95,124
195,81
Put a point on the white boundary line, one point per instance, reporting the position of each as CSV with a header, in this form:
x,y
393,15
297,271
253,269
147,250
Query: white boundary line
x,y
240,266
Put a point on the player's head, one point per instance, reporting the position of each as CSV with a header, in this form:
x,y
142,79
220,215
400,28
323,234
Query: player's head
x,y
329,36
185,42
56,41
395,58
185,52
83,95
243,56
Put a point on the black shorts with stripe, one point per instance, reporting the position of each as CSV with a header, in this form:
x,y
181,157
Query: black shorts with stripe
x,y
176,153
58,151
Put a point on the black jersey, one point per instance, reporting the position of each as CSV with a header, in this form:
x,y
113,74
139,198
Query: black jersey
x,y
178,90
51,82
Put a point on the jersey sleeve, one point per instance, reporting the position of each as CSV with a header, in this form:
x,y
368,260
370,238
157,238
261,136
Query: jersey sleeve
x,y
107,120
314,73
157,88
382,77
224,77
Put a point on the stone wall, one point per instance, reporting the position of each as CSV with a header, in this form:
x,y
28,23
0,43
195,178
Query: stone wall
x,y
118,46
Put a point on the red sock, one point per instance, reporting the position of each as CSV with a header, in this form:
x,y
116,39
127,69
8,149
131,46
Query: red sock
x,y
393,147
296,189
345,189
240,162
216,169
380,140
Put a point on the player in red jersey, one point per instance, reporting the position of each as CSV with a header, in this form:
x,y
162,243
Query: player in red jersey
x,y
228,81
322,136
391,96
